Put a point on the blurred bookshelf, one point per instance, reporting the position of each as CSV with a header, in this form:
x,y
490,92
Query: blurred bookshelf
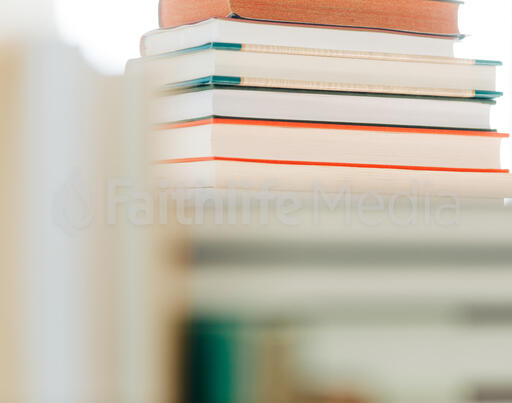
x,y
348,313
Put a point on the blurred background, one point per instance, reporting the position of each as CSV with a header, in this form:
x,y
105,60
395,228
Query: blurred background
x,y
93,309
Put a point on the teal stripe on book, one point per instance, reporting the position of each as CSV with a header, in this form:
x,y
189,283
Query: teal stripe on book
x,y
226,80
198,82
487,94
200,48
227,46
480,62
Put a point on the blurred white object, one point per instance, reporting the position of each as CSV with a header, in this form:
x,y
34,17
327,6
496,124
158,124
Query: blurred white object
x,y
26,18
107,32
62,290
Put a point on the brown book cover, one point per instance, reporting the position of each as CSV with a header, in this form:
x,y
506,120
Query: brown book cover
x,y
431,17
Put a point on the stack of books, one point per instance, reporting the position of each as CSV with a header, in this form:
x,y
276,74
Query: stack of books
x,y
302,93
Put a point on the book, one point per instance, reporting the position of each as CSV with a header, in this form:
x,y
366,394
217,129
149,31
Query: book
x,y
211,99
275,34
439,18
309,64
211,361
307,176
249,139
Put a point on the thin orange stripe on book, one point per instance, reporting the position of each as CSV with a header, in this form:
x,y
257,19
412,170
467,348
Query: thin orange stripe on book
x,y
333,164
336,126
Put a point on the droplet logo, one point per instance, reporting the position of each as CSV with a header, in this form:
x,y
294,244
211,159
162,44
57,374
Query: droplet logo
x,y
73,209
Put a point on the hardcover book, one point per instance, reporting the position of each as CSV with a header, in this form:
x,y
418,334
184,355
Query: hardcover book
x,y
430,17
327,143
283,34
214,96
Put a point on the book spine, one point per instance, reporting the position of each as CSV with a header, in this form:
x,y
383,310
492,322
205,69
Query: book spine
x,y
211,358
